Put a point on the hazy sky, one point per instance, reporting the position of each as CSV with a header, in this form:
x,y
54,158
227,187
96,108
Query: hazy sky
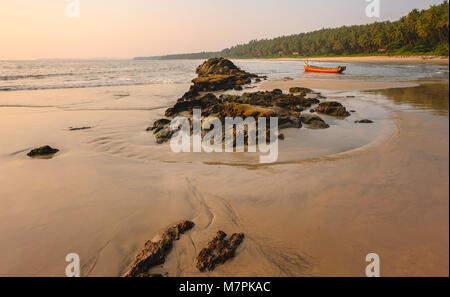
x,y
127,28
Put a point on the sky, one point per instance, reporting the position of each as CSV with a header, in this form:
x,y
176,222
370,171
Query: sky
x,y
31,29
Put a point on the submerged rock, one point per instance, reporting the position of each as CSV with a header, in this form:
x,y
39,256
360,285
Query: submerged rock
x,y
154,253
365,121
332,108
43,151
218,251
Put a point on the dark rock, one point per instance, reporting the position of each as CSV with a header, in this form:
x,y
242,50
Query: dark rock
x,y
289,122
154,253
238,88
43,151
314,121
258,80
312,110
288,78
202,102
162,130
352,111
159,125
257,104
365,121
79,128
332,108
222,74
218,251
299,90
218,74
164,135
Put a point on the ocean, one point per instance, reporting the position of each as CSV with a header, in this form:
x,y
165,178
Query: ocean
x,y
61,74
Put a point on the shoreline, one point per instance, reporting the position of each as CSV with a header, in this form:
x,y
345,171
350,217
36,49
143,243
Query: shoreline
x,y
335,84
429,60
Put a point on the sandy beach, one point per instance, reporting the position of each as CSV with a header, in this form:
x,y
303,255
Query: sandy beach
x,y
430,60
348,191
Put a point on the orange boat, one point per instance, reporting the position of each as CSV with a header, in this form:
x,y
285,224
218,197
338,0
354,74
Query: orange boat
x,y
309,68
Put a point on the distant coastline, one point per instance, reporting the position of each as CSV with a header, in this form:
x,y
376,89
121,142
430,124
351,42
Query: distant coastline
x,y
419,59
432,60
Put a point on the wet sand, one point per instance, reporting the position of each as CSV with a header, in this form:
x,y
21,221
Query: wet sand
x,y
111,188
330,84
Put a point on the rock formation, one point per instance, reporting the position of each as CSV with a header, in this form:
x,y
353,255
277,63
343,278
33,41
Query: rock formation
x,y
218,74
221,74
218,251
332,108
154,253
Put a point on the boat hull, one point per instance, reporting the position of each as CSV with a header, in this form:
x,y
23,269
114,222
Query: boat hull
x,y
309,68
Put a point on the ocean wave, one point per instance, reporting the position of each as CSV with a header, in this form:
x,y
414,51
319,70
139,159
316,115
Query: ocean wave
x,y
33,76
80,86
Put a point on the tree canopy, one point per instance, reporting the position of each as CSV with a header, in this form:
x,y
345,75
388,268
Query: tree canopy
x,y
420,32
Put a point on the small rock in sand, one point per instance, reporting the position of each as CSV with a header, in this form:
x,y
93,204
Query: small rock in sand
x,y
43,151
79,128
365,121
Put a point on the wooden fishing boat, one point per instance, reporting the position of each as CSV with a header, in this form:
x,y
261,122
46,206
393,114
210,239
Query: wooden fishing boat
x,y
309,68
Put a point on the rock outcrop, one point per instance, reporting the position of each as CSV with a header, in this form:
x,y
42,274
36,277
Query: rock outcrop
x,y
287,107
218,74
154,253
221,74
218,251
